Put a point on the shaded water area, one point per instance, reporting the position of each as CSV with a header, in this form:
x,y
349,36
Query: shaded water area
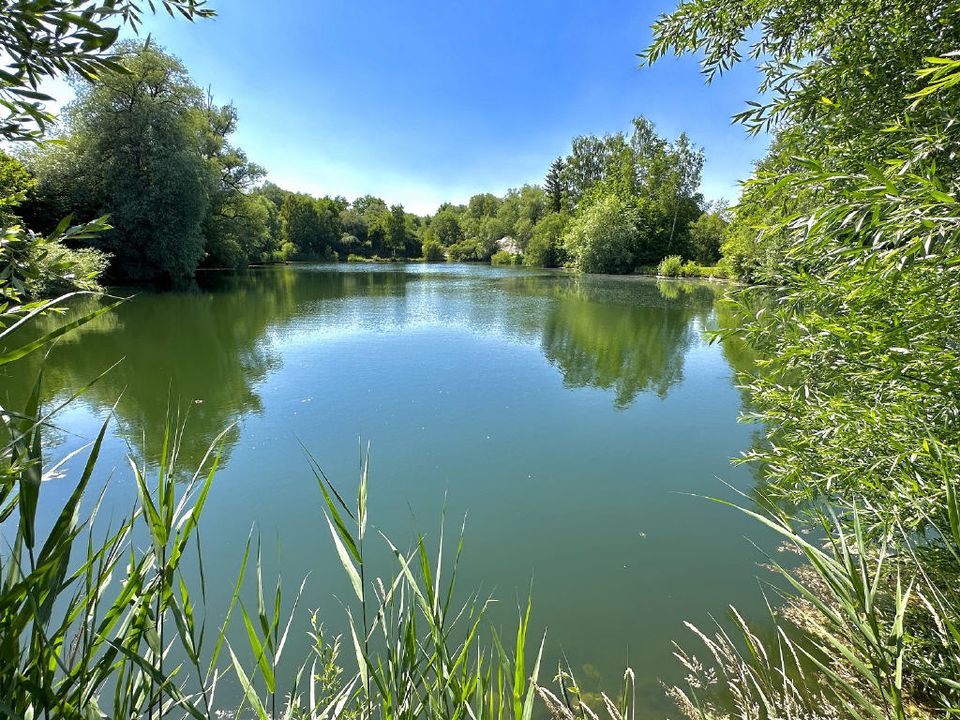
x,y
573,420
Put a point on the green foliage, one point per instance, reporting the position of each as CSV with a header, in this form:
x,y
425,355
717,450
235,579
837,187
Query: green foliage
x,y
185,198
755,244
156,192
398,234
310,224
554,185
34,266
670,266
237,228
63,37
371,229
301,223
707,234
15,183
602,238
446,227
692,269
505,257
239,232
545,248
852,223
223,220
643,166
433,251
40,41
354,224
469,251
289,251
482,228
591,159
520,211
840,88
654,181
483,205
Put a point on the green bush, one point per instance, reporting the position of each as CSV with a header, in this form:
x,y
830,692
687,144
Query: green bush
x,y
675,266
40,267
690,269
63,269
352,258
602,238
545,248
504,257
433,251
468,251
670,266
288,251
720,271
706,235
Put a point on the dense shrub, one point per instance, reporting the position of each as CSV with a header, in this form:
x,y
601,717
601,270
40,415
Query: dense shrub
x,y
852,225
469,251
504,257
670,266
545,248
15,183
289,251
692,269
706,235
433,251
602,238
41,267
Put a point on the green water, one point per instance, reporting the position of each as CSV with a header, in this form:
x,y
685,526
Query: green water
x,y
570,420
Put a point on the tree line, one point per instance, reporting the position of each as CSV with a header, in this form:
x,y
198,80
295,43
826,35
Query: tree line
x,y
146,146
614,204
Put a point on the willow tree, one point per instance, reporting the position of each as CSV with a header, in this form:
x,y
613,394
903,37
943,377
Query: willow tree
x,y
43,40
130,151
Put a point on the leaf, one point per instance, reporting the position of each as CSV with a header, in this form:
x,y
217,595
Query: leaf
x,y
259,651
249,691
345,560
24,350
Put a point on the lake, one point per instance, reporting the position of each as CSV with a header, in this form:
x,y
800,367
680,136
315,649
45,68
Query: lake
x,y
574,421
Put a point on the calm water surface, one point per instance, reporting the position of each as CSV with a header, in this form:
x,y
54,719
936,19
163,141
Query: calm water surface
x,y
569,419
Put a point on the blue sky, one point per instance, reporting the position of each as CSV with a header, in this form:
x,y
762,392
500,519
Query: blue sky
x,y
422,102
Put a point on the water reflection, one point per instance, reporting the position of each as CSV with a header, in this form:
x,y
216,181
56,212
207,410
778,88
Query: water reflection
x,y
207,352
199,355
630,342
495,392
